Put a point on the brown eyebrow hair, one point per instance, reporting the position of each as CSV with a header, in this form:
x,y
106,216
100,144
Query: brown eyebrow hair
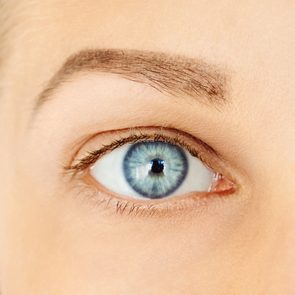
x,y
176,75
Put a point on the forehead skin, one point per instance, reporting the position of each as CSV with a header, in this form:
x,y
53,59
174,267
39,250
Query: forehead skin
x,y
254,41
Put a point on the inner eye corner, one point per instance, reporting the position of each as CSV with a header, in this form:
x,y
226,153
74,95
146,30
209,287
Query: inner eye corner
x,y
223,184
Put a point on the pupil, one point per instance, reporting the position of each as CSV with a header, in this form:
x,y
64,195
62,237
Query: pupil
x,y
157,166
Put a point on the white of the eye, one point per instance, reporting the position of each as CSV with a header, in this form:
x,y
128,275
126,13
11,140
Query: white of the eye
x,y
108,171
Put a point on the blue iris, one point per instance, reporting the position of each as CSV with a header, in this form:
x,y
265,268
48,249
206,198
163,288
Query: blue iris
x,y
155,169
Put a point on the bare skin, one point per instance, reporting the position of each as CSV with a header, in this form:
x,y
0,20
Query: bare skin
x,y
57,240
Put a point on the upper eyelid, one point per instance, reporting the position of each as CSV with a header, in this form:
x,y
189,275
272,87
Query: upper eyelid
x,y
140,136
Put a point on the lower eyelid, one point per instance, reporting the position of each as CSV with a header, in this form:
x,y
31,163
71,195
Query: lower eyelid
x,y
112,204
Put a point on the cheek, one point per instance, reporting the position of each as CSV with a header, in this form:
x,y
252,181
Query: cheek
x,y
31,239
59,241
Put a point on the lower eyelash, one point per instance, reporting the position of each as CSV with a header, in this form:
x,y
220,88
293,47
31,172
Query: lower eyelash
x,y
170,207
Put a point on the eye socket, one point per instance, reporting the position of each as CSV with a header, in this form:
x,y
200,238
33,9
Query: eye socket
x,y
152,170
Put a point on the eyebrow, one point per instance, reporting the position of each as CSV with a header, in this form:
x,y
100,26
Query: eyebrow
x,y
176,75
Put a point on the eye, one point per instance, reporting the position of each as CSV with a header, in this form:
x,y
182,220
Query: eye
x,y
149,171
152,170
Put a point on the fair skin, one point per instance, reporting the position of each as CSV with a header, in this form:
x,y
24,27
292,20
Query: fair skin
x,y
56,240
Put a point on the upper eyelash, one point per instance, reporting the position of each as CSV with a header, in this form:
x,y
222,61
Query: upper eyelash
x,y
93,156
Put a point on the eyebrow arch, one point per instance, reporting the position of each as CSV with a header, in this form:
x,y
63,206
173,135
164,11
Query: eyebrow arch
x,y
176,75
